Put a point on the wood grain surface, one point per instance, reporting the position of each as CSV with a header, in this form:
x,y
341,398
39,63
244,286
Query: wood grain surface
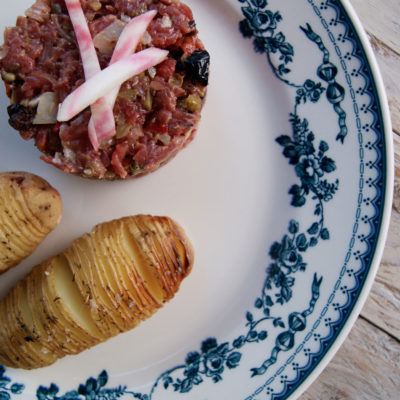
x,y
367,366
362,370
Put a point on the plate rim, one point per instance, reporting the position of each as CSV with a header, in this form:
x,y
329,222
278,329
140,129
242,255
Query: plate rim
x,y
383,230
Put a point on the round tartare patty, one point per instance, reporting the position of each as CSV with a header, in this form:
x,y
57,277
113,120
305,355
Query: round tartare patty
x,y
156,112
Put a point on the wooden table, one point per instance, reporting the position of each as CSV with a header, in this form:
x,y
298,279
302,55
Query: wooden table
x,y
367,367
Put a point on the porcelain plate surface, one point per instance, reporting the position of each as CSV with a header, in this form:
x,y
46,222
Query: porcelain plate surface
x,y
285,193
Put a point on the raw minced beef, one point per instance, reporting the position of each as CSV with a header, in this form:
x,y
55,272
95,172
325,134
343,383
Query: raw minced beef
x,y
156,112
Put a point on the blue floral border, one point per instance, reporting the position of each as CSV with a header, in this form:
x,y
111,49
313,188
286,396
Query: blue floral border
x,y
380,165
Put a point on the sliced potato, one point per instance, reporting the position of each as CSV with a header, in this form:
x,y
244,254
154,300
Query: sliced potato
x,y
105,283
29,210
94,291
130,296
109,277
74,320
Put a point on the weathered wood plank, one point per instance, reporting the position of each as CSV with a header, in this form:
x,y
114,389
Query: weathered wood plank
x,y
379,19
384,301
391,255
389,63
367,367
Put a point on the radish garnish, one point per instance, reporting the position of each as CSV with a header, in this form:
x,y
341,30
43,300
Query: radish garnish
x,y
103,82
88,53
126,45
131,35
101,123
103,117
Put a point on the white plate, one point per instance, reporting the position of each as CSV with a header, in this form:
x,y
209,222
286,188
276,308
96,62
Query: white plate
x,y
288,218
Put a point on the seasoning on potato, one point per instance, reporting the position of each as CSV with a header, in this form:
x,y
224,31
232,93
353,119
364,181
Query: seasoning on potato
x,y
29,210
105,283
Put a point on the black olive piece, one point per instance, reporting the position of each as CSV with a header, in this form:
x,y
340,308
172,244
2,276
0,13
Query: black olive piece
x,y
177,55
197,66
21,117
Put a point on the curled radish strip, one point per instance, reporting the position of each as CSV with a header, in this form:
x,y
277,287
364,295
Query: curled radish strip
x,y
126,45
131,35
101,123
88,53
106,80
102,116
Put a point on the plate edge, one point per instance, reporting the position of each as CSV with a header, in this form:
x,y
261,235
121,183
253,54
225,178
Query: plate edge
x,y
387,207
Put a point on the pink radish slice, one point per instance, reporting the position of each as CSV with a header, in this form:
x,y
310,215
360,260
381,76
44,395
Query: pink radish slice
x,y
92,134
131,35
103,117
88,53
102,122
103,82
126,45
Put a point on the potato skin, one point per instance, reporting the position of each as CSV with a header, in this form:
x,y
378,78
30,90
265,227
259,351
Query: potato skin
x,y
103,284
30,208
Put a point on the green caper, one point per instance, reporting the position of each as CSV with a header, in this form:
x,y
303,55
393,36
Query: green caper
x,y
176,79
191,103
148,101
13,99
129,94
122,131
135,168
141,10
95,5
110,175
9,77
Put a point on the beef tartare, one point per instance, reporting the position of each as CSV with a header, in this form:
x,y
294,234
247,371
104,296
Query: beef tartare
x,y
156,112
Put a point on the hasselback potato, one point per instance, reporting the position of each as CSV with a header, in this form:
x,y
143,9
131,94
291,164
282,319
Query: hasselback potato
x,y
29,210
105,283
